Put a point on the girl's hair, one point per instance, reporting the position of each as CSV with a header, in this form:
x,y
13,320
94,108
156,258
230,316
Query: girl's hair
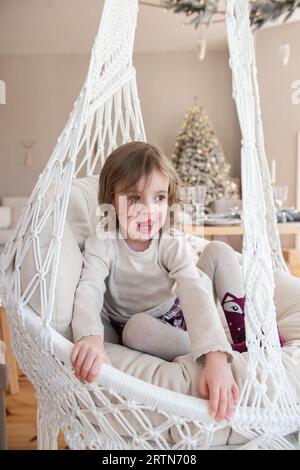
x,y
130,162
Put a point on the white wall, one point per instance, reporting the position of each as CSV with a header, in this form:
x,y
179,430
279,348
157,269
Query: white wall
x,y
41,90
281,117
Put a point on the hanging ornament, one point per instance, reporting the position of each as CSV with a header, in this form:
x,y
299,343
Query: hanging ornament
x,y
2,92
201,48
284,53
28,145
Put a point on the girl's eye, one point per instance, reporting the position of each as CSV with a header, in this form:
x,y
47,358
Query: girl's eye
x,y
160,197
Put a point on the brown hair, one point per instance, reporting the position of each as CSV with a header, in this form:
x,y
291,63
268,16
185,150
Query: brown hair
x,y
131,161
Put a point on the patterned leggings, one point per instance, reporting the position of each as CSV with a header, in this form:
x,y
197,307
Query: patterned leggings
x,y
157,336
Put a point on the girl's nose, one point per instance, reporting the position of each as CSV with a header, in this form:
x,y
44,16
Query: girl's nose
x,y
147,207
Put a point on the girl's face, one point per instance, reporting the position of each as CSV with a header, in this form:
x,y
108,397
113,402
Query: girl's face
x,y
142,212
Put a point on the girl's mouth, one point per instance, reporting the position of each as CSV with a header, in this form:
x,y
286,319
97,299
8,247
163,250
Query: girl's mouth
x,y
145,227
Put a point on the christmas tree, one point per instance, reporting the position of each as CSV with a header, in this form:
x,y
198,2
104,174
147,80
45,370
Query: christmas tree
x,y
199,159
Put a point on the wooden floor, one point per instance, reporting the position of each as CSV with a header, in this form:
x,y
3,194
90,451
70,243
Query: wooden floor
x,y
21,418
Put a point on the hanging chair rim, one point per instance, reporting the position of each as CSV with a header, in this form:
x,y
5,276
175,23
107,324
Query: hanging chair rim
x,y
138,390
112,378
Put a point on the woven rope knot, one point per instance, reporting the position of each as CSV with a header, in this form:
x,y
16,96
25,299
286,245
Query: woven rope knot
x,y
191,442
248,144
177,420
132,404
252,375
42,274
137,440
261,388
19,305
154,434
111,409
46,336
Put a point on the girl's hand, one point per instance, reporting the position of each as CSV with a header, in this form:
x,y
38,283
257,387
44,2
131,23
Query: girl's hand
x,y
87,357
217,384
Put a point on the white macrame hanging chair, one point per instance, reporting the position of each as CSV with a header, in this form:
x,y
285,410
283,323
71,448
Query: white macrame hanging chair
x,y
107,114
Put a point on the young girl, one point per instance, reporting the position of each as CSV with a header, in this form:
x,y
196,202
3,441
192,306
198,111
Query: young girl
x,y
158,294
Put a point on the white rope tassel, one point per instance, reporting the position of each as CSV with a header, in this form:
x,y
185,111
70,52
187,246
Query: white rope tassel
x,y
47,429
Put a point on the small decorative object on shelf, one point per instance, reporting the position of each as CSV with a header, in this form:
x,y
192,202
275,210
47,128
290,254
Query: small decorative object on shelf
x,y
222,219
273,171
228,206
193,200
226,212
288,215
5,217
280,194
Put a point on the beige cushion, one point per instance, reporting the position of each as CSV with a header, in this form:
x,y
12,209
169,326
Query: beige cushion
x,y
17,204
69,271
81,216
82,209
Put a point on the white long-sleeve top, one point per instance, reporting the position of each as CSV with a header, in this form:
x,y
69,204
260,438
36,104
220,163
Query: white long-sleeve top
x,y
123,282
